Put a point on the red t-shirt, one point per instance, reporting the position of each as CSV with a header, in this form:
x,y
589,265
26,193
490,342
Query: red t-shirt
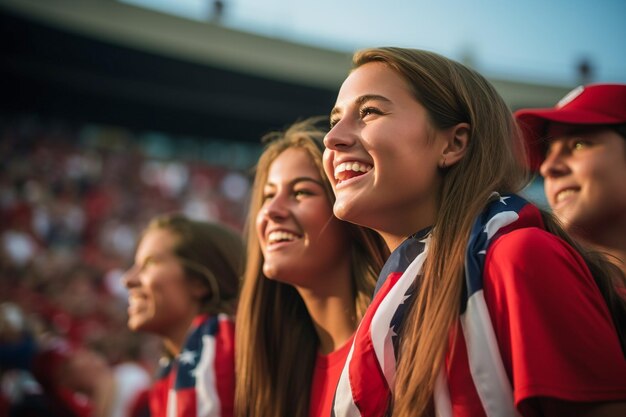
x,y
554,330
325,378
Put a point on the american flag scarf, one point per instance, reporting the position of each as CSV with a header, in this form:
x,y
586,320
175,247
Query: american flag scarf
x,y
200,381
366,383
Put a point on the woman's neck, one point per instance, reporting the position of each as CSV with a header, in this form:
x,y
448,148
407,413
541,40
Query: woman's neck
x,y
332,310
393,241
612,243
175,338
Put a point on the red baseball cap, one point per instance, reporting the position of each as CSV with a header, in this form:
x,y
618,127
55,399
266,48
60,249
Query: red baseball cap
x,y
594,104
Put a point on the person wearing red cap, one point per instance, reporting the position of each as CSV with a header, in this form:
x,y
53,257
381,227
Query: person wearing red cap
x,y
579,147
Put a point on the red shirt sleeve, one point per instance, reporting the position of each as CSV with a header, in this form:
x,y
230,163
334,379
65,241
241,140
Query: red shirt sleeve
x,y
554,330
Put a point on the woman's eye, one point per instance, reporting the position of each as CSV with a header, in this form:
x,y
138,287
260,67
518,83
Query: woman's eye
x,y
366,111
300,193
148,262
267,196
333,122
578,144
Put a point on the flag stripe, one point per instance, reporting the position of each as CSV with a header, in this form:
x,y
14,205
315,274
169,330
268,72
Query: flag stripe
x,y
490,378
364,386
381,331
441,396
201,377
207,400
368,377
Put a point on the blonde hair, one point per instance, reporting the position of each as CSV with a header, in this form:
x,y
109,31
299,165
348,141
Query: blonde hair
x,y
452,94
276,341
210,253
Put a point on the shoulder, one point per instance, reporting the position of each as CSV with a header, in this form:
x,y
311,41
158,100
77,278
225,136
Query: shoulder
x,y
542,300
222,330
534,249
529,241
531,260
214,324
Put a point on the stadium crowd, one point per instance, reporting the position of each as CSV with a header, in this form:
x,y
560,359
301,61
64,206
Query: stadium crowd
x,y
72,202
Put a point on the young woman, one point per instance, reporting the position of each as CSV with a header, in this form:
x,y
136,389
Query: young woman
x,y
579,147
183,287
497,310
309,278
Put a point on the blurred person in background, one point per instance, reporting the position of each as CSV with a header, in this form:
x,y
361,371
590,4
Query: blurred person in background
x,y
579,147
73,199
45,374
183,287
17,349
308,280
78,380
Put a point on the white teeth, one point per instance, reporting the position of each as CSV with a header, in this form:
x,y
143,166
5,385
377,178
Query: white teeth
x,y
352,166
281,236
134,300
564,194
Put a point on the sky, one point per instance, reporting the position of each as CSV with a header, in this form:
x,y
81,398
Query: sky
x,y
539,41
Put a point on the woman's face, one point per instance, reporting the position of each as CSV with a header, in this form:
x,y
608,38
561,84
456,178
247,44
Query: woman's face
x,y
584,177
301,240
382,154
161,298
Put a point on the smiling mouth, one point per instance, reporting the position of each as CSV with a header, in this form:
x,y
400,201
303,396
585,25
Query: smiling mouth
x,y
563,195
280,236
136,304
352,169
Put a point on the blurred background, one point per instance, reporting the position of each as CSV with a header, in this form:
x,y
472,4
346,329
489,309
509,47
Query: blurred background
x,y
114,111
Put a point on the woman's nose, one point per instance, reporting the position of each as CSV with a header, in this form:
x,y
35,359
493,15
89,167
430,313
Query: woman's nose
x,y
555,163
340,136
276,208
131,277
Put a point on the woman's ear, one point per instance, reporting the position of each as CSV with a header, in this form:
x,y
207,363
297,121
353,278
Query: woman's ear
x,y
456,142
197,288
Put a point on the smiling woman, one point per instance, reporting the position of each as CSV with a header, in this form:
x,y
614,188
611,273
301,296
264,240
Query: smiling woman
x,y
183,287
297,222
485,306
579,147
308,279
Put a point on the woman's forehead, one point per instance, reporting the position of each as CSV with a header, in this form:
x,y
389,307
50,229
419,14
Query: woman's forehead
x,y
156,240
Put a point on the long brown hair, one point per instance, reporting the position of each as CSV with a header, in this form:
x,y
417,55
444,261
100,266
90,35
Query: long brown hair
x,y
276,341
453,94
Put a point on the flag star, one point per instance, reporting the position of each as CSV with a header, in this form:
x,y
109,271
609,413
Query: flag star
x,y
194,372
187,357
482,252
503,200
